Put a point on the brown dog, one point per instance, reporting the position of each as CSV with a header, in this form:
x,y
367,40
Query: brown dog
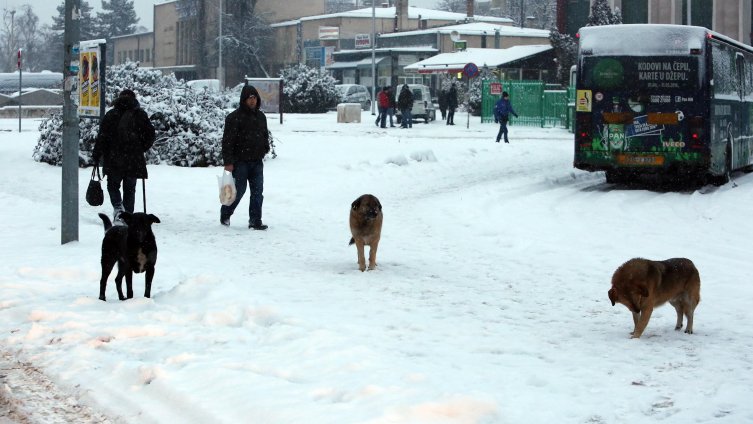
x,y
642,285
366,228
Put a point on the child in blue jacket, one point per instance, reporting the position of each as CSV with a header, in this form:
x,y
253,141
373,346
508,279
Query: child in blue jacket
x,y
502,111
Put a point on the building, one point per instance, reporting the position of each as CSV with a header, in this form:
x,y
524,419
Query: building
x,y
134,48
729,17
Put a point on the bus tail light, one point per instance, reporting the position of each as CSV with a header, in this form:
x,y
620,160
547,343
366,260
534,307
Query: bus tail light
x,y
583,130
696,132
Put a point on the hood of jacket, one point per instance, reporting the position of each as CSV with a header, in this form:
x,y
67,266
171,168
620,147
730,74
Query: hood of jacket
x,y
246,92
126,103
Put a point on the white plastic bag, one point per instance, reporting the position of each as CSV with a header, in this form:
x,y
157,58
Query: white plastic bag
x,y
227,188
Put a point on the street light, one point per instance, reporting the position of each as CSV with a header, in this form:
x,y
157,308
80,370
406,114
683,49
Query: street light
x,y
220,73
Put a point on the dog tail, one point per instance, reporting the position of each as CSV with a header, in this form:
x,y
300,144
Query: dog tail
x,y
106,221
352,241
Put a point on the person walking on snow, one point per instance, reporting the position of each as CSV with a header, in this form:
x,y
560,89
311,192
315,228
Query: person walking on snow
x,y
245,142
452,104
125,134
383,101
502,111
405,103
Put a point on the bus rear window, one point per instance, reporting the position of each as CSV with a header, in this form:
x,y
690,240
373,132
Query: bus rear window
x,y
639,72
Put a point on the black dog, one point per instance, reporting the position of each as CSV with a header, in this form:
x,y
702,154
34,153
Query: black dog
x,y
133,247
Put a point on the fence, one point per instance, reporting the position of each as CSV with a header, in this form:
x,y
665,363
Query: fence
x,y
536,106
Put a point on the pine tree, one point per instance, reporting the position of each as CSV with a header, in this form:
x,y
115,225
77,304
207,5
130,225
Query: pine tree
x,y
51,51
566,51
118,18
601,14
308,90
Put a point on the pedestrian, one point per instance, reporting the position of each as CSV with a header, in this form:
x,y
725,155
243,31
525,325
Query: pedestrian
x,y
443,103
383,101
502,111
405,103
125,134
391,109
245,142
452,104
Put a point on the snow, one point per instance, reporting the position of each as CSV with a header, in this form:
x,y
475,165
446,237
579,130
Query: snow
x,y
476,28
489,304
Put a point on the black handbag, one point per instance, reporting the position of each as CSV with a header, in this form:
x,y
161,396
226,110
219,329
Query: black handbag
x,y
94,194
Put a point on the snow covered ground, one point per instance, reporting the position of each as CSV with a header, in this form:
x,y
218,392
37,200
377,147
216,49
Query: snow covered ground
x,y
489,304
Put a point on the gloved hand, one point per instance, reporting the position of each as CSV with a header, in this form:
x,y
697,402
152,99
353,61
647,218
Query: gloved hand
x,y
496,121
516,115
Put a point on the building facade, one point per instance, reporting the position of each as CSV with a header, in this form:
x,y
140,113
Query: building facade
x,y
729,17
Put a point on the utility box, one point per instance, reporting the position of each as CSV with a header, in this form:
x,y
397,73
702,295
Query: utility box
x,y
348,112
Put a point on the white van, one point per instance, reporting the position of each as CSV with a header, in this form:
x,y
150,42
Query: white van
x,y
423,106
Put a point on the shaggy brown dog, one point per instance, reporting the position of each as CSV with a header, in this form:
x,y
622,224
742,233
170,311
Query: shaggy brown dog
x,y
642,284
366,228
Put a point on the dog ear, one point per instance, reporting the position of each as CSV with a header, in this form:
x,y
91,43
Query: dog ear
x,y
154,219
356,204
612,295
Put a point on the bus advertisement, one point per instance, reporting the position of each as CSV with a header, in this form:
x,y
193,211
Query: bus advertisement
x,y
667,101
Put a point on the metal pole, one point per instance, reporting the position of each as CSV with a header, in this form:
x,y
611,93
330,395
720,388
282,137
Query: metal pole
x,y
688,2
220,73
373,57
20,87
69,197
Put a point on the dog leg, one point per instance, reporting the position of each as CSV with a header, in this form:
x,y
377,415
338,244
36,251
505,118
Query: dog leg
x,y
636,318
119,282
148,279
642,322
678,304
129,284
372,255
689,314
361,256
106,270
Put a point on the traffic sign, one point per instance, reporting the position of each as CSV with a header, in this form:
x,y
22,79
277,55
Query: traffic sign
x,y
470,70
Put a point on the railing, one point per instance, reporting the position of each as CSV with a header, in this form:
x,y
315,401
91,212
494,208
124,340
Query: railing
x,y
536,105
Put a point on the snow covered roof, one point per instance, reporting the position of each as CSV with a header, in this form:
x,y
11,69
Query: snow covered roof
x,y
454,62
44,79
411,49
356,63
476,28
390,12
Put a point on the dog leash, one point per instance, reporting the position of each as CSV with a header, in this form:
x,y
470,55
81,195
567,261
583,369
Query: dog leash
x,y
143,192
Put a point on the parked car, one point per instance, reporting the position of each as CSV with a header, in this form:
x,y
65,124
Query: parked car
x,y
423,106
355,93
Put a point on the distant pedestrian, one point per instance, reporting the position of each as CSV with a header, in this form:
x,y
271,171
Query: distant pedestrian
x,y
405,103
245,142
383,101
502,111
452,104
125,134
443,103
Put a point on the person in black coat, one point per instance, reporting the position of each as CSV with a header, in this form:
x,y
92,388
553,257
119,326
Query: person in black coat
x,y
125,134
245,142
405,103
452,104
443,103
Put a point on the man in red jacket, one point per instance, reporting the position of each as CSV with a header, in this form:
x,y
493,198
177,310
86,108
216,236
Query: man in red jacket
x,y
383,101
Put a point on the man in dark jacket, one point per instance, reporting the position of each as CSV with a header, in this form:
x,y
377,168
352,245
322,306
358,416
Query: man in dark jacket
x,y
452,104
245,142
125,133
405,103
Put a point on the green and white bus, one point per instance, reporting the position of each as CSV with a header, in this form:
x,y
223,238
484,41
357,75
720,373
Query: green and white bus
x,y
664,100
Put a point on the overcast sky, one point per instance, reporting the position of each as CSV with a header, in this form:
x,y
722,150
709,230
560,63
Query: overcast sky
x,y
46,9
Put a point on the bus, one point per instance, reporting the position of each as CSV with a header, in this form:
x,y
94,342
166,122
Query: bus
x,y
668,101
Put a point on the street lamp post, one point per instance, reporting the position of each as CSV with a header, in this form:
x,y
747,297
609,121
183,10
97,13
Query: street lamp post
x,y
373,57
220,73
